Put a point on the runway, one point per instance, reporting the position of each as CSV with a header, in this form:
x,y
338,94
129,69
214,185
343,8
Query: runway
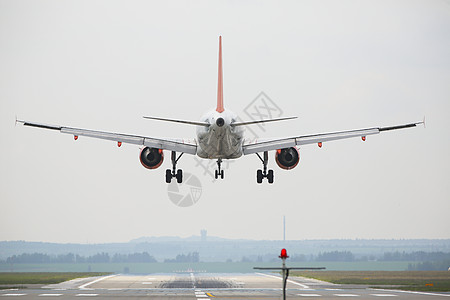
x,y
205,286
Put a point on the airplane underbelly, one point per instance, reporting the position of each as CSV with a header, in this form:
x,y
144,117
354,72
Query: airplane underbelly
x,y
226,146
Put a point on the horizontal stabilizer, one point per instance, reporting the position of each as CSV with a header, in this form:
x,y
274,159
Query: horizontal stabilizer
x,y
262,121
178,121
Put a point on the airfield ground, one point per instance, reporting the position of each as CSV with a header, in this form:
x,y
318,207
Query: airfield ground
x,y
231,286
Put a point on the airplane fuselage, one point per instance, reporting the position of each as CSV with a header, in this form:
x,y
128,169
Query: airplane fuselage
x,y
220,139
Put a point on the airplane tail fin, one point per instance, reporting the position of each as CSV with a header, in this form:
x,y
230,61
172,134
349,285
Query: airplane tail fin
x,y
220,81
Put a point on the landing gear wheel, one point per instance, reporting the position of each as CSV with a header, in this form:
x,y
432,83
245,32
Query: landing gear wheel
x,y
168,175
270,176
216,174
221,174
179,176
264,173
259,176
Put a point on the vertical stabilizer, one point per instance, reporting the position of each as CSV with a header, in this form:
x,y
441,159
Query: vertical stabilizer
x,y
220,81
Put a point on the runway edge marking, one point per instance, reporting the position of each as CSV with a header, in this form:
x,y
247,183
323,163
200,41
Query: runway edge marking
x,y
413,292
290,281
82,287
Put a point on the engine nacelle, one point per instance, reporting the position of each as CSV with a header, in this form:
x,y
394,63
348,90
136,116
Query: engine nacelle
x,y
287,158
151,158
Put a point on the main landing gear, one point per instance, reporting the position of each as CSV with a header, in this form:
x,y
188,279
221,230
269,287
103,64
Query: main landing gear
x,y
178,174
264,173
219,171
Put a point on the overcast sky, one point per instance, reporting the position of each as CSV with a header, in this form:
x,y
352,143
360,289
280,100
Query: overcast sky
x,y
337,65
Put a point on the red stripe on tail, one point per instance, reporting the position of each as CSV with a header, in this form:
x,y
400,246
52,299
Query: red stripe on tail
x,y
220,81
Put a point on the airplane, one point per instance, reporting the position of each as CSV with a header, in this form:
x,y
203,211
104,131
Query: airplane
x,y
220,136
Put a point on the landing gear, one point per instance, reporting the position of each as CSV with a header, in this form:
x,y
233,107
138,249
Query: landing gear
x,y
264,173
178,174
219,171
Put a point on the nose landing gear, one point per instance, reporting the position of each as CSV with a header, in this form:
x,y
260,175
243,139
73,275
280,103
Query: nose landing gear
x,y
219,171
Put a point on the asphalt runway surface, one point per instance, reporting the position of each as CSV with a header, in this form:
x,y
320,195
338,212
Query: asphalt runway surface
x,y
204,286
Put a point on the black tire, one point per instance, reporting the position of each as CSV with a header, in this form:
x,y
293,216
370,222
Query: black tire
x,y
259,176
168,175
216,174
270,176
179,176
221,174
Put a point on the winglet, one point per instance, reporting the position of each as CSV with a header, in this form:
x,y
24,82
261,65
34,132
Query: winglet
x,y
19,121
423,122
220,81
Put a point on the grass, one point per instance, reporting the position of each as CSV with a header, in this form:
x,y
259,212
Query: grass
x,y
431,281
19,278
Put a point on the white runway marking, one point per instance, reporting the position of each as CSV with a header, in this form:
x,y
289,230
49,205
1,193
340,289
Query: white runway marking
x,y
200,294
290,281
383,295
412,292
145,282
83,287
50,295
333,289
346,295
86,295
308,295
9,295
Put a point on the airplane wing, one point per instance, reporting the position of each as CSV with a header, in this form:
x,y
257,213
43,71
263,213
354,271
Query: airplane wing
x,y
318,138
165,144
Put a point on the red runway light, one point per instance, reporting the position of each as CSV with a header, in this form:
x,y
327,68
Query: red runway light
x,y
75,137
319,144
283,254
119,144
363,138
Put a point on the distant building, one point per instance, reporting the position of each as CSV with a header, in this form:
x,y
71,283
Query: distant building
x,y
203,233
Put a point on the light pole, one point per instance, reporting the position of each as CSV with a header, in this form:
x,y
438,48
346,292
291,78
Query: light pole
x,y
285,270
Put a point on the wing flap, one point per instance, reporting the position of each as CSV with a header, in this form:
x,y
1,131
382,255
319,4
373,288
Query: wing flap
x,y
269,145
124,138
326,137
171,145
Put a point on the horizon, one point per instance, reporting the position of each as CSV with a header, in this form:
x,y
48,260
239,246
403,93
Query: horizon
x,y
232,239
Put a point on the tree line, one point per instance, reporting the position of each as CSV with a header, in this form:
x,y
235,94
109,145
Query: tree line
x,y
182,258
419,256
39,258
425,258
443,265
415,256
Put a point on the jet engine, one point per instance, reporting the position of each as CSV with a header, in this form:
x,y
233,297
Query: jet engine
x,y
287,158
151,158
